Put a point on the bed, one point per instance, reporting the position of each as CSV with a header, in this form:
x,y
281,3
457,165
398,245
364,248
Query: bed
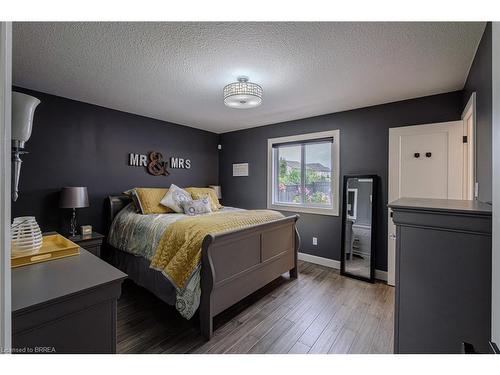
x,y
234,263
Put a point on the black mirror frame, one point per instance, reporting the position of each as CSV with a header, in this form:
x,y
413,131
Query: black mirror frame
x,y
343,272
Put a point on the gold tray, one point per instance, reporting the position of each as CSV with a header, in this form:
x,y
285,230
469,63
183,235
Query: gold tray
x,y
54,246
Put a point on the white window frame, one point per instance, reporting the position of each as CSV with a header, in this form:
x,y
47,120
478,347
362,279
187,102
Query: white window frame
x,y
335,163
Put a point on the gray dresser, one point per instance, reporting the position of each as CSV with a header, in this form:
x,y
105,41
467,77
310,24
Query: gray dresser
x,y
443,275
65,306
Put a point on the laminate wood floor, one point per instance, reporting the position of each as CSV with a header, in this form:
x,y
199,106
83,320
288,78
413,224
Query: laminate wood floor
x,y
320,312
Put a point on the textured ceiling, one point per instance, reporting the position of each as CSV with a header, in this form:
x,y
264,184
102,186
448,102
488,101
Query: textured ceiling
x,y
176,71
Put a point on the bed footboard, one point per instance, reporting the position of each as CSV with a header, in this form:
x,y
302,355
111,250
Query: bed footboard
x,y
237,263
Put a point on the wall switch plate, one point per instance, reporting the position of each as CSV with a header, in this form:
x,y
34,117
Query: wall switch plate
x,y
315,241
219,147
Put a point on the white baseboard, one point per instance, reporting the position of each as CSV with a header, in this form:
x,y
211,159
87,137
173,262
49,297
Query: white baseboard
x,y
335,264
319,260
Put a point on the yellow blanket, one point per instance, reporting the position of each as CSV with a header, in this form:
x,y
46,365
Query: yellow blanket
x,y
178,254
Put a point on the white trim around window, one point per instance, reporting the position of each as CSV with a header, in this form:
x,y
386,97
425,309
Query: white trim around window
x,y
332,210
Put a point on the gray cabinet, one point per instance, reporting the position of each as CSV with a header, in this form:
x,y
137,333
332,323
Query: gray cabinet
x,y
443,275
65,306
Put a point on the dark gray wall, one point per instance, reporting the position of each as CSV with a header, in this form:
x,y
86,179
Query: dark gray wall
x,y
79,144
479,80
364,135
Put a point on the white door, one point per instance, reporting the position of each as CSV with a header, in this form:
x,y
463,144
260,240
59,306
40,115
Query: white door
x,y
425,161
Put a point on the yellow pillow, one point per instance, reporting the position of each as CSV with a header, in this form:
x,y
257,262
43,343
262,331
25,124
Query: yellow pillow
x,y
150,200
200,193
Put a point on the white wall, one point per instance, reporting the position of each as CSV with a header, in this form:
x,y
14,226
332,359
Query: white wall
x,y
495,313
5,108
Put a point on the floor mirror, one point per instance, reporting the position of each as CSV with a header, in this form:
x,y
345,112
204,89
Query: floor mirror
x,y
358,227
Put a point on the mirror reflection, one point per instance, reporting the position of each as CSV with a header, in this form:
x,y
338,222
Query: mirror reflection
x,y
358,226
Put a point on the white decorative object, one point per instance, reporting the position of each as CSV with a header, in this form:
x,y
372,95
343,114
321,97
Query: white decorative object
x,y
242,94
240,170
26,235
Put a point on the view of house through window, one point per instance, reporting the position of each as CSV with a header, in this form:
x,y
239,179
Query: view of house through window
x,y
305,174
302,174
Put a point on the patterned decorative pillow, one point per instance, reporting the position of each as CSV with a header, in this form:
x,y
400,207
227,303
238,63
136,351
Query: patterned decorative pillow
x,y
199,193
174,198
197,207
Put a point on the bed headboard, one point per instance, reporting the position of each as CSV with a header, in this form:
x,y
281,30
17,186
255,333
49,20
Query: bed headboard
x,y
114,204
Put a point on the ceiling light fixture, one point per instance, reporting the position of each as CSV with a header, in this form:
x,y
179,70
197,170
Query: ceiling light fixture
x,y
242,94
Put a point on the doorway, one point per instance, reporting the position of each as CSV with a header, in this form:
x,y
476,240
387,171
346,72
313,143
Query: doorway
x,y
426,161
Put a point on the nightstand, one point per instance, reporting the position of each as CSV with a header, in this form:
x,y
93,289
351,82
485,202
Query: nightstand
x,y
91,242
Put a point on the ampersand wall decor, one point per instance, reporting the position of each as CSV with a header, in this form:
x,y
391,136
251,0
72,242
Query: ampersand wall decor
x,y
156,164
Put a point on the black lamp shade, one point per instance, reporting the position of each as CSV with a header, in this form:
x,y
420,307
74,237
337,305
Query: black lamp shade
x,y
74,197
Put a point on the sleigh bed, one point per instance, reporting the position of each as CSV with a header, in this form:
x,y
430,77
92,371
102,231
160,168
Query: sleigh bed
x,y
234,264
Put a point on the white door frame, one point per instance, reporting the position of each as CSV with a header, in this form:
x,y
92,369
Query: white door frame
x,y
393,190
5,151
470,151
495,285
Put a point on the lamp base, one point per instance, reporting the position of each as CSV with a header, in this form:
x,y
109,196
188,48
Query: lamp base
x,y
73,223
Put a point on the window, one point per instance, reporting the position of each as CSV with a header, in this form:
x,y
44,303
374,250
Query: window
x,y
303,173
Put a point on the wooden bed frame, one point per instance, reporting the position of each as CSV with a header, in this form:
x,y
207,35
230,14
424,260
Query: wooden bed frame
x,y
237,263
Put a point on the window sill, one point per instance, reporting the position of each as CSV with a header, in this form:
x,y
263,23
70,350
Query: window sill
x,y
307,210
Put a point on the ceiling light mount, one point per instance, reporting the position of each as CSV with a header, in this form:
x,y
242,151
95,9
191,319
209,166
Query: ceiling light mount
x,y
242,94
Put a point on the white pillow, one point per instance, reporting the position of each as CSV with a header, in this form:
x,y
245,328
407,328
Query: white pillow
x,y
174,197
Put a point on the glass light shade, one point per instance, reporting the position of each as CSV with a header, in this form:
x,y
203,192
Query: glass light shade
x,y
23,108
242,94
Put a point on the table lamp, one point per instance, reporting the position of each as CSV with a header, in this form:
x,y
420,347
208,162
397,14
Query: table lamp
x,y
74,197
